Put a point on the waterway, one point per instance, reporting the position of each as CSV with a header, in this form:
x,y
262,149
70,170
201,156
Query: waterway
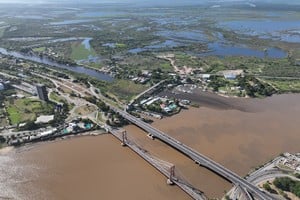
x,y
287,31
78,69
218,49
82,168
241,134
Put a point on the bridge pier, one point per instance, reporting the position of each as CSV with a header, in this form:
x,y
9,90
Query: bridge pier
x,y
170,180
124,139
150,136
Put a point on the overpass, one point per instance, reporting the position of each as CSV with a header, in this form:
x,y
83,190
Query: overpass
x,y
197,157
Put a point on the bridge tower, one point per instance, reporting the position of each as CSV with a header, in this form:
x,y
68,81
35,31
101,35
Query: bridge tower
x,y
172,176
124,138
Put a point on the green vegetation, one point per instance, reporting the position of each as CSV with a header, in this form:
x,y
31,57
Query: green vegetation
x,y
287,184
79,52
59,99
39,49
280,68
120,45
113,37
255,88
284,86
56,97
27,109
187,60
268,188
125,89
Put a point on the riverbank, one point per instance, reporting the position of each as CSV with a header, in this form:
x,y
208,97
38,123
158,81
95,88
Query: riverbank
x,y
5,150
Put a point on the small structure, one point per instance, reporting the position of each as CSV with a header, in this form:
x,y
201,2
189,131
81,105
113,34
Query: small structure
x,y
42,92
44,119
205,76
1,86
230,76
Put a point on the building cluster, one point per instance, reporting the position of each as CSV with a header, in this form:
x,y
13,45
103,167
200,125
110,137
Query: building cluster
x,y
186,88
142,78
290,161
29,136
163,104
74,127
227,74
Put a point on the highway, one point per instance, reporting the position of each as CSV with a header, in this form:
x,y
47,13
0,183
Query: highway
x,y
197,157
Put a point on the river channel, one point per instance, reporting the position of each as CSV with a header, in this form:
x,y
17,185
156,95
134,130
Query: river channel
x,y
78,69
241,134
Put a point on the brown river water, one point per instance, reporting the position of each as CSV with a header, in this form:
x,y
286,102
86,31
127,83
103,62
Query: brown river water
x,y
239,133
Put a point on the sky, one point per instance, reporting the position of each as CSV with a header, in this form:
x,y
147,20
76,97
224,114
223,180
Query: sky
x,y
145,1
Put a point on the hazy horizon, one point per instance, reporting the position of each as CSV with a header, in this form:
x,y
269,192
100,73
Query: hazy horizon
x,y
171,2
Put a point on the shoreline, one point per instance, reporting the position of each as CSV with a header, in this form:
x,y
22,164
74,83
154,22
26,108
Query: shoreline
x,y
6,150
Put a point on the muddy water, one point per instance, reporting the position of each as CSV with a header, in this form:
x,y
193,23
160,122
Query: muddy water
x,y
240,140
239,133
84,168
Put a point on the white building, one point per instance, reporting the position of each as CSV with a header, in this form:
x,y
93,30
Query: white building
x,y
1,86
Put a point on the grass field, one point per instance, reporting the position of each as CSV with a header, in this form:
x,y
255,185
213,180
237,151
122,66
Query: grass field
x,y
23,110
285,85
79,52
85,110
56,97
39,49
125,89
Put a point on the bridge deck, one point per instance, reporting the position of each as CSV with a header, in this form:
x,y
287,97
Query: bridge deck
x,y
195,194
197,157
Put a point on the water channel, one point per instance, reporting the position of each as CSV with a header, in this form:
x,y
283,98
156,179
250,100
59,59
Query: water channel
x,y
78,69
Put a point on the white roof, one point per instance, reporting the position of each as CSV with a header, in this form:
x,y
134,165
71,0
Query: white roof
x,y
44,118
